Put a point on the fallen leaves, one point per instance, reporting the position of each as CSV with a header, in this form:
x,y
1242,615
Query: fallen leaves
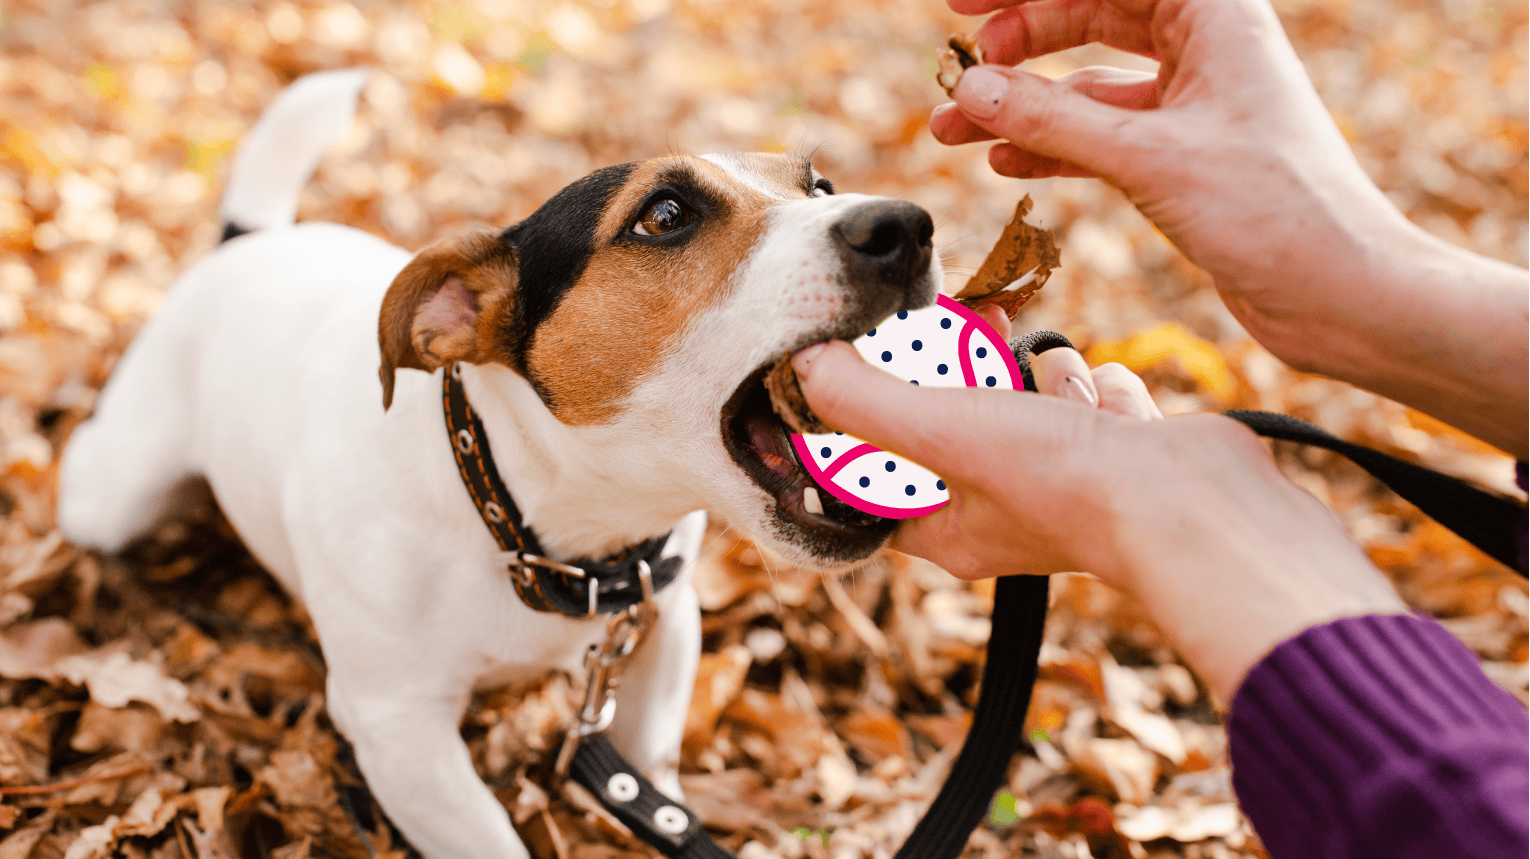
x,y
169,705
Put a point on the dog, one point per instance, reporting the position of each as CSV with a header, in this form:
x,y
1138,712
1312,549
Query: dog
x,y
613,344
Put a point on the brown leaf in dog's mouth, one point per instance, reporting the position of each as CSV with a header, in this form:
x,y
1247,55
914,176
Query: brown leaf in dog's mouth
x,y
1014,270
787,401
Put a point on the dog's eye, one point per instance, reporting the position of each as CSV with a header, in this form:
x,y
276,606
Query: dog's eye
x,y
664,215
822,188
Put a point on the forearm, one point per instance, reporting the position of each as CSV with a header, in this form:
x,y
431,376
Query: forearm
x,y
1420,321
1229,568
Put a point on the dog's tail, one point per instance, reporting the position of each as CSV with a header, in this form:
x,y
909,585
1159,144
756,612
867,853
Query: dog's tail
x,y
282,150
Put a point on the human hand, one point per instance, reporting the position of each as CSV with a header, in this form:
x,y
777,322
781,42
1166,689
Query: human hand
x,y
1188,513
1227,149
1231,154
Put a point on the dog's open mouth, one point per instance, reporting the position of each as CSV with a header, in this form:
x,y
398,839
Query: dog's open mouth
x,y
758,441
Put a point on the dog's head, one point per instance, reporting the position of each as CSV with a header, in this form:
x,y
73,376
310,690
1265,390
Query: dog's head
x,y
648,300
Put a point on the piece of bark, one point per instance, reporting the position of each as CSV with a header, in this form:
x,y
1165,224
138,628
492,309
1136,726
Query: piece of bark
x,y
1016,268
961,54
787,401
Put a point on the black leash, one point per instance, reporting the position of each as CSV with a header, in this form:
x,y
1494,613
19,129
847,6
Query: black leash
x,y
1019,620
1485,520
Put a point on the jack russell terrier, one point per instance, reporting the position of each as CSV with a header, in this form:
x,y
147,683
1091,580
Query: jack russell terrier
x,y
613,345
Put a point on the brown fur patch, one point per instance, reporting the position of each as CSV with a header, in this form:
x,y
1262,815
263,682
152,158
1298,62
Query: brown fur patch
x,y
419,328
634,299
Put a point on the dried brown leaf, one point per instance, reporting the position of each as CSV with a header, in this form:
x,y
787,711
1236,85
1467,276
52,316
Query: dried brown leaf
x,y
1016,268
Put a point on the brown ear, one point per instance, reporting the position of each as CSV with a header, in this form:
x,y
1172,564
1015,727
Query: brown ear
x,y
453,302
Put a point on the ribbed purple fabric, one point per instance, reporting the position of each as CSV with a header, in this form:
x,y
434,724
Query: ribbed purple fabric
x,y
1379,736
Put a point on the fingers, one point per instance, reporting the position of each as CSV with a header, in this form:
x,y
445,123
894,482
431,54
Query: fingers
x,y
1112,387
1042,27
1050,119
855,397
1062,373
938,539
978,7
1130,89
1124,88
1123,392
1007,159
995,317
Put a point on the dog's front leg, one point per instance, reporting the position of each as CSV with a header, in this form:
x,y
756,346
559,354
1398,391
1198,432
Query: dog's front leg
x,y
400,650
418,767
656,684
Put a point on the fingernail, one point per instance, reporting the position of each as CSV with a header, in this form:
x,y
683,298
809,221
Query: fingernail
x,y
804,359
1075,389
980,92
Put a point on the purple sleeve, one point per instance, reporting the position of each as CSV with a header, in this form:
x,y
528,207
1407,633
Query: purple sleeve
x,y
1379,736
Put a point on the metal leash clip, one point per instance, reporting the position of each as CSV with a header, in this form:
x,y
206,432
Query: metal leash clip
x,y
602,665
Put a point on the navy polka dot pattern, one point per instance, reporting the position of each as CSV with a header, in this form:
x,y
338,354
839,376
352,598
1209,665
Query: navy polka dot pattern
x,y
903,314
917,343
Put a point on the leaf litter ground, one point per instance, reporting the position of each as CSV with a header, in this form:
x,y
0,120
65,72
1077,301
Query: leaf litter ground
x,y
169,703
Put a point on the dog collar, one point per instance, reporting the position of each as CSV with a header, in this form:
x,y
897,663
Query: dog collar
x,y
581,588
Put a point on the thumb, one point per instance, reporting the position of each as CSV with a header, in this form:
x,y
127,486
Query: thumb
x,y
851,395
1048,117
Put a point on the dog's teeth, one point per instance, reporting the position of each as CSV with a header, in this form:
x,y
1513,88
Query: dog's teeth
x,y
810,501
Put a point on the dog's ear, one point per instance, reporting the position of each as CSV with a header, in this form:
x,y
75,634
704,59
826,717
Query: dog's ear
x,y
455,301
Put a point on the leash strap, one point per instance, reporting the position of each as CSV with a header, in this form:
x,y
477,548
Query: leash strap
x,y
583,588
1019,618
1487,521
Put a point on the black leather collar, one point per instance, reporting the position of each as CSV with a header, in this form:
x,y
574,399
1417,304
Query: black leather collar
x,y
581,588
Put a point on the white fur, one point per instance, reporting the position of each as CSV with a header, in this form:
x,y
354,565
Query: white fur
x,y
279,154
260,373
733,165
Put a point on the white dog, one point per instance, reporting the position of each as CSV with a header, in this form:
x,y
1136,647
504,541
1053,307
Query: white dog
x,y
613,344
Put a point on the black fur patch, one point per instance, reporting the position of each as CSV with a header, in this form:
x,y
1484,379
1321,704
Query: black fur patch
x,y
553,246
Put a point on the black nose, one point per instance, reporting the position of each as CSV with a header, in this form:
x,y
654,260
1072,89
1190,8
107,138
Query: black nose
x,y
887,241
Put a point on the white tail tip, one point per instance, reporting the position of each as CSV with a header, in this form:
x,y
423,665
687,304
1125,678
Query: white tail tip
x,y
282,150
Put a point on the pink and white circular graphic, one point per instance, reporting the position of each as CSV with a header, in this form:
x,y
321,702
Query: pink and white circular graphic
x,y
943,345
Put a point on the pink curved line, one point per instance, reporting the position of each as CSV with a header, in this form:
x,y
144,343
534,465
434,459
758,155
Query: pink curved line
x,y
1016,380
824,478
964,354
845,458
824,481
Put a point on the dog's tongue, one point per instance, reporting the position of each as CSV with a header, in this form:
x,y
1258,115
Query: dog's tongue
x,y
769,440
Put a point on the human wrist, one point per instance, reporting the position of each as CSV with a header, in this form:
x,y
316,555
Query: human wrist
x,y
1313,299
1232,559
1416,319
